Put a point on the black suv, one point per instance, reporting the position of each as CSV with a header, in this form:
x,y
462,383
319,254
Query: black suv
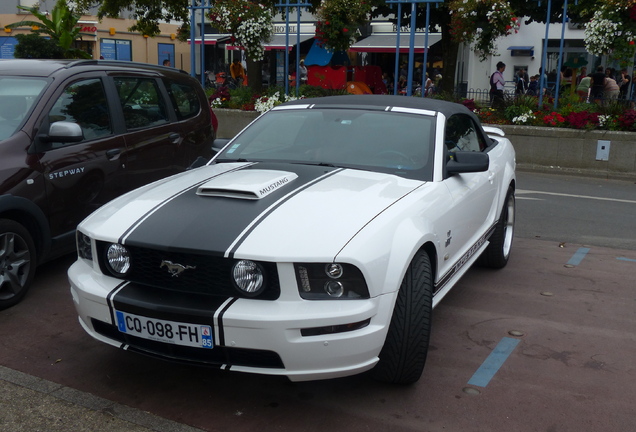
x,y
76,134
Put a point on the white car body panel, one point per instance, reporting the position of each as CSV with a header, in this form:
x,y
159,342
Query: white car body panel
x,y
322,233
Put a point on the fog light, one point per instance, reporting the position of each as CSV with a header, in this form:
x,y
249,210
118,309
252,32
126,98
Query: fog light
x,y
334,289
334,271
118,259
248,277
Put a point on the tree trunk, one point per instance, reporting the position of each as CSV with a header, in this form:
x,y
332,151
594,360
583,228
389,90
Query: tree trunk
x,y
255,75
449,57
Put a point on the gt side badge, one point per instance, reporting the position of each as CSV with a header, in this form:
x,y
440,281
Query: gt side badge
x,y
448,238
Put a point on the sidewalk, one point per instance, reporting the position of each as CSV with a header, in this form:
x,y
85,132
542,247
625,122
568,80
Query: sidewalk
x,y
31,404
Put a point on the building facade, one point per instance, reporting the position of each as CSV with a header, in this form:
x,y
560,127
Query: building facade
x,y
108,39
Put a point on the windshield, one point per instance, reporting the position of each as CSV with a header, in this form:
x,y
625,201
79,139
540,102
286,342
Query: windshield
x,y
373,140
17,96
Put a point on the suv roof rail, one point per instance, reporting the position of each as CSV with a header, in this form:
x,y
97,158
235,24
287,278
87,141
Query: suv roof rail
x,y
84,62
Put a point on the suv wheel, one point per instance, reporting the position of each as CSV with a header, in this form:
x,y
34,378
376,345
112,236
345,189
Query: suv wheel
x,y
17,262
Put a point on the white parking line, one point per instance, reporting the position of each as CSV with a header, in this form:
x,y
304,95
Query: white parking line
x,y
524,192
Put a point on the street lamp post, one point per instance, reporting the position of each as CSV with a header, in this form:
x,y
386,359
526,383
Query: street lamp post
x,y
544,54
409,85
287,4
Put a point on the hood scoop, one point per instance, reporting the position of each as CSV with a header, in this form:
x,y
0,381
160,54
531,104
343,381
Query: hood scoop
x,y
252,184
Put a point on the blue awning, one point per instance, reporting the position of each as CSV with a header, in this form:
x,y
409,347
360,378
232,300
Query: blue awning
x,y
318,55
521,48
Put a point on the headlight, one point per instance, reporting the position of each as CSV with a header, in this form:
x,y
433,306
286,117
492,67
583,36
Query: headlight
x,y
117,259
330,281
84,246
248,277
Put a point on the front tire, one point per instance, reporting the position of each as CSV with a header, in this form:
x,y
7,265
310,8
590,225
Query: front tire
x,y
17,262
498,251
403,355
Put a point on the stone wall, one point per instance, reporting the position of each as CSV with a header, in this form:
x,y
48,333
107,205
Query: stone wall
x,y
573,151
232,121
556,150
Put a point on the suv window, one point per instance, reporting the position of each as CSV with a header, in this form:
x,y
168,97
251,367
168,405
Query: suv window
x,y
84,102
185,100
141,102
17,95
461,134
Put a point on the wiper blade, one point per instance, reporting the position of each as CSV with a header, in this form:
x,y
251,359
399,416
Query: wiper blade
x,y
222,160
325,164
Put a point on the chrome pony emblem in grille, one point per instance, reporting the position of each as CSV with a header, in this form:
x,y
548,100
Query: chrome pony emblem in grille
x,y
175,269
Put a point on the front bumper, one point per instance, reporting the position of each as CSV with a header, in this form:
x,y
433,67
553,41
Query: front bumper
x,y
253,336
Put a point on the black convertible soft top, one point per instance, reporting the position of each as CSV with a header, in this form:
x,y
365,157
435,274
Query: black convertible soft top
x,y
384,101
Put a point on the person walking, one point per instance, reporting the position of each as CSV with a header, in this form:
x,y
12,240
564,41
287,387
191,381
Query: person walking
x,y
497,85
303,72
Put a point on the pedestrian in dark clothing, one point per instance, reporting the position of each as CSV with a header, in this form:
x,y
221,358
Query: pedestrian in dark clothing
x,y
598,82
623,81
522,82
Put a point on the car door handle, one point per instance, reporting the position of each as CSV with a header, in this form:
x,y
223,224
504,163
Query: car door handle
x,y
174,138
491,176
113,154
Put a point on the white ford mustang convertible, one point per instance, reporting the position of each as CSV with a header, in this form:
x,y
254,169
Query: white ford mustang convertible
x,y
314,245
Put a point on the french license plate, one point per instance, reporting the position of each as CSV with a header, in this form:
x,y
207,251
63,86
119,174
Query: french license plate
x,y
178,333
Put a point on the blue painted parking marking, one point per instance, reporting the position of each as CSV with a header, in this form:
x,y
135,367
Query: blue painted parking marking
x,y
493,362
626,259
578,256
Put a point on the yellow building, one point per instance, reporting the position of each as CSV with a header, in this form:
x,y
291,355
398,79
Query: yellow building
x,y
108,39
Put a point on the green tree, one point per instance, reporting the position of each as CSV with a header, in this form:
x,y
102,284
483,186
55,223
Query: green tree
x,y
61,27
146,13
35,46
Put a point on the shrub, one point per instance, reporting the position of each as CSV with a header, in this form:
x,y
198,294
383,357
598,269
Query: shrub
x,y
627,120
554,119
582,120
220,98
242,98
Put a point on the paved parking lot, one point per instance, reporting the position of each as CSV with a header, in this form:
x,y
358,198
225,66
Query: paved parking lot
x,y
546,344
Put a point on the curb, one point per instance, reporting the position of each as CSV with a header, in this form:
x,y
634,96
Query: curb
x,y
33,404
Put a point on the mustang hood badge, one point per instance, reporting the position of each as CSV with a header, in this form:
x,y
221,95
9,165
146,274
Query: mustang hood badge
x,y
175,269
250,184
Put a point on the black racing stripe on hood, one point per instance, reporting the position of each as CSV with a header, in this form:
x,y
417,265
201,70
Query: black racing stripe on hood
x,y
154,209
211,225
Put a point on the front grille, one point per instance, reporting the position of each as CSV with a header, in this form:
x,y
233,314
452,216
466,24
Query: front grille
x,y
207,274
216,356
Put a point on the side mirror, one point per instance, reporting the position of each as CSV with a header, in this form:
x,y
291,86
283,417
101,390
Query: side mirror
x,y
467,162
218,144
198,162
63,131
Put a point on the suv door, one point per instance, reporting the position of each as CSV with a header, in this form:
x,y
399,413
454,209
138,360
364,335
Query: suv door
x,y
80,176
154,145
